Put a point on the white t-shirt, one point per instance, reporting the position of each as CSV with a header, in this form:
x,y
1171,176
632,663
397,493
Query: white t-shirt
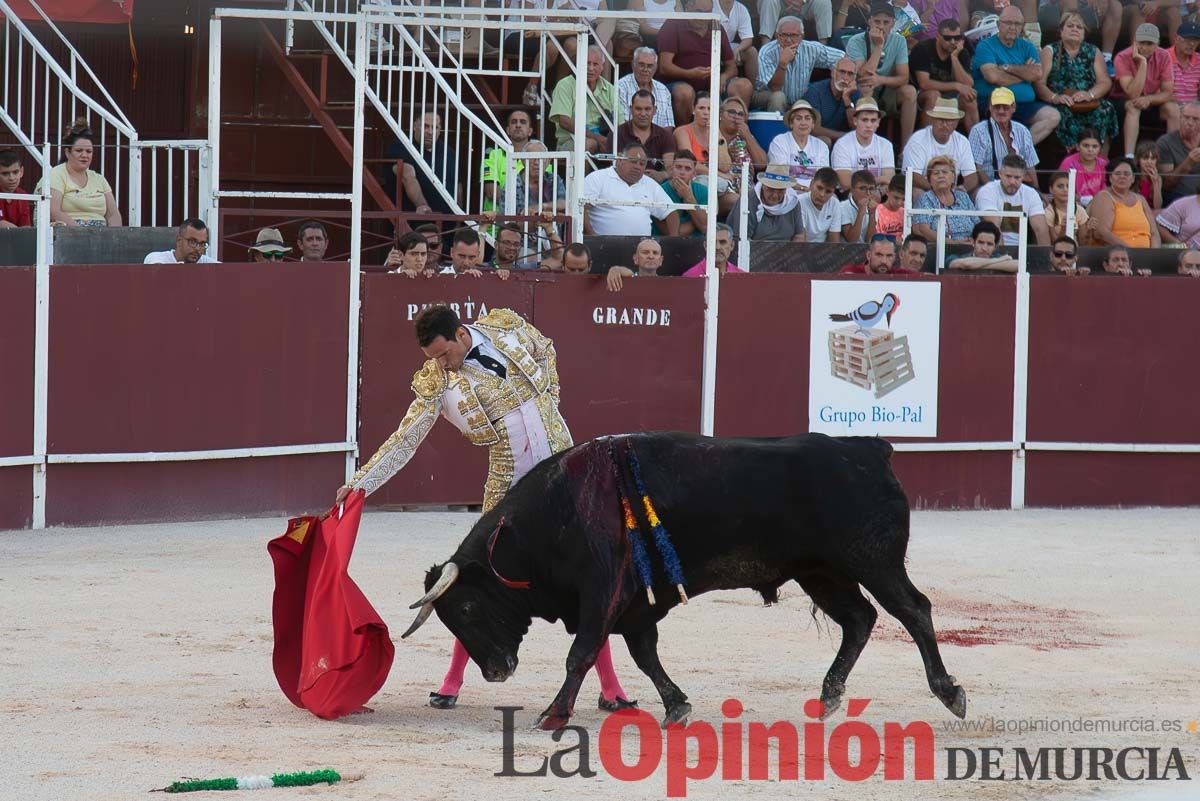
x,y
623,220
991,197
737,24
168,257
848,213
804,163
922,147
819,222
876,157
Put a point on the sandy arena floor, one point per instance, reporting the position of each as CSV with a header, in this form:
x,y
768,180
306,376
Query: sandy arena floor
x,y
139,654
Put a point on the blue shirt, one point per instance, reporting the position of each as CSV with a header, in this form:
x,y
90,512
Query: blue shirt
x,y
699,190
895,51
799,72
991,51
956,227
831,108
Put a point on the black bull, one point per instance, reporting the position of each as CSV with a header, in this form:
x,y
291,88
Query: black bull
x,y
825,512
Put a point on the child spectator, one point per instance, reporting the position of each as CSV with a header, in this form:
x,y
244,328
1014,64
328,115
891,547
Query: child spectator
x,y
13,213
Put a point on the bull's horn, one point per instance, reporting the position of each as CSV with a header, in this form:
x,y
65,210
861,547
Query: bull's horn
x,y
420,619
449,575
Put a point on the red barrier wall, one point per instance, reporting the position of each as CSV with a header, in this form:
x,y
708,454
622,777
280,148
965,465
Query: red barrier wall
x,y
1113,361
17,295
164,358
615,377
762,378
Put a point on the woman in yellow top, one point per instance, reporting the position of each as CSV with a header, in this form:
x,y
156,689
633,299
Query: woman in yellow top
x,y
80,196
1121,216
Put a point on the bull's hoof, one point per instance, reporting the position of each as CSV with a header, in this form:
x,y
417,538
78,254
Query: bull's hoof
x,y
439,701
830,704
549,722
615,705
678,714
958,704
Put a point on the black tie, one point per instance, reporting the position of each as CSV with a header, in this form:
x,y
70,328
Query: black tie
x,y
487,361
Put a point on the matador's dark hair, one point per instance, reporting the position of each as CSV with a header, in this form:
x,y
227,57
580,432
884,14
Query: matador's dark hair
x,y
434,322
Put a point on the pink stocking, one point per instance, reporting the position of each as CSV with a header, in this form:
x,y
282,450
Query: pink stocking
x,y
458,666
610,685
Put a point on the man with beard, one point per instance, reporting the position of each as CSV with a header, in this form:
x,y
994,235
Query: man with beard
x,y
191,242
832,98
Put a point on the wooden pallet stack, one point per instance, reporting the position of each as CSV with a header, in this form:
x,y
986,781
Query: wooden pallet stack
x,y
876,360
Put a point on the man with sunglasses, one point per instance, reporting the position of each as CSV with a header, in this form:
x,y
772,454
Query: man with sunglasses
x,y
1062,257
943,70
268,246
191,244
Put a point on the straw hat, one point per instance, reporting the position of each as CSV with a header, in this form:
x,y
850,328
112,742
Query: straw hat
x,y
269,241
945,109
867,103
801,105
777,176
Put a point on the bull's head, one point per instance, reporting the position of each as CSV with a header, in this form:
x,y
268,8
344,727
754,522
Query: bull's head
x,y
480,608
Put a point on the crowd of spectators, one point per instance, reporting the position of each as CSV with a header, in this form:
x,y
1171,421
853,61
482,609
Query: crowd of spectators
x,y
960,94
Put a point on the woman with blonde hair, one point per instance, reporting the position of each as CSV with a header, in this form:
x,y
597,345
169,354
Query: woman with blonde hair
x,y
940,172
1075,81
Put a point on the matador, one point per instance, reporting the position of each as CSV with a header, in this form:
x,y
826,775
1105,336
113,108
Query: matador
x,y
496,381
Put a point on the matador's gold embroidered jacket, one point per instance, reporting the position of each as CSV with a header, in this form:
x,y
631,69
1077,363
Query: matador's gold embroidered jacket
x,y
475,401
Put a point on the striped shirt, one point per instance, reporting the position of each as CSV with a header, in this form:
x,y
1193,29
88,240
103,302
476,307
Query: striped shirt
x,y
664,114
799,72
1187,77
989,147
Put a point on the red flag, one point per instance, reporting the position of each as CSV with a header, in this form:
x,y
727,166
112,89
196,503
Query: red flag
x,y
332,650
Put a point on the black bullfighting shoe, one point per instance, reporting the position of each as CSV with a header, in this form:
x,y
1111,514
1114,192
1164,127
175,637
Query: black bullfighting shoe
x,y
615,704
439,701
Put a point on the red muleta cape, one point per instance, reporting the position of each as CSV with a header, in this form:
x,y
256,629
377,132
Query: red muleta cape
x,y
332,650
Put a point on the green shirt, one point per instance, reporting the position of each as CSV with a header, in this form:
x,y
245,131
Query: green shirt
x,y
699,190
562,102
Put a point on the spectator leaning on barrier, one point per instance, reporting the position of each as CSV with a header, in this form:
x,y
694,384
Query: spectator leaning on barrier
x,y
191,244
641,79
647,259
1117,262
786,63
80,196
1145,80
409,257
604,190
1008,193
433,243
724,249
820,209
914,252
465,255
881,259
313,240
1008,60
1189,263
858,210
942,70
985,237
1062,257
774,212
999,135
882,58
13,213
268,246
941,139
577,259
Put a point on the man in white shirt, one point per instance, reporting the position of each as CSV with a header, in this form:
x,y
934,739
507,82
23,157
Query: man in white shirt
x,y
862,149
191,242
941,139
604,190
1008,193
820,209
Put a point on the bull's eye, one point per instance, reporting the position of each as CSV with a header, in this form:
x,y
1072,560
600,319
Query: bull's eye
x,y
468,611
